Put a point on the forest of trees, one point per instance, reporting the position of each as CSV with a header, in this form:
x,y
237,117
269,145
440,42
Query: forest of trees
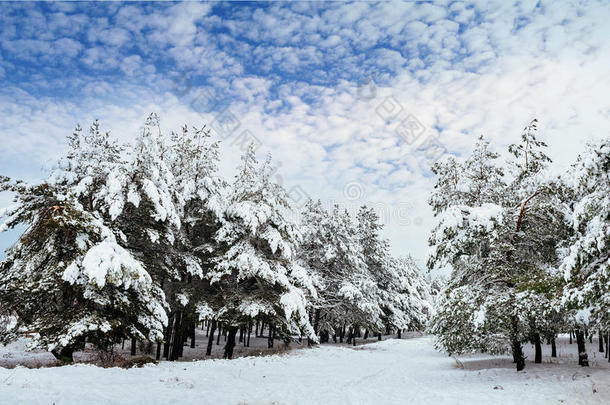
x,y
146,241
529,252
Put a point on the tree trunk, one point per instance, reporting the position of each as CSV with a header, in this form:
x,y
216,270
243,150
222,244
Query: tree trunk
x,y
553,348
601,341
207,332
249,333
582,351
316,322
399,333
350,335
133,346
518,354
230,345
270,337
193,335
176,338
65,355
158,354
516,344
366,334
219,333
570,337
379,336
608,345
538,345
208,350
241,335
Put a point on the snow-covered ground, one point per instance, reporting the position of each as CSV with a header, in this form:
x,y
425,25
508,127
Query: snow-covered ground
x,y
388,372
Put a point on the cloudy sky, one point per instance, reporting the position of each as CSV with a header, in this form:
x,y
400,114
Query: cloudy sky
x,y
354,101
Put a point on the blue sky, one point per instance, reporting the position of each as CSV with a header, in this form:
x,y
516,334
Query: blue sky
x,y
348,97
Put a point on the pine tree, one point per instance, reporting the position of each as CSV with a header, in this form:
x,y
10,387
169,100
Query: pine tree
x,y
70,278
500,241
586,262
258,274
348,295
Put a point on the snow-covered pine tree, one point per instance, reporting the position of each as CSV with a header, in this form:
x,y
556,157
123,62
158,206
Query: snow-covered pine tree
x,y
377,259
193,160
258,275
470,231
69,278
404,296
586,262
500,250
348,296
536,211
410,298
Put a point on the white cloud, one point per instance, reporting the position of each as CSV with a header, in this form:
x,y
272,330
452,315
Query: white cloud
x,y
460,72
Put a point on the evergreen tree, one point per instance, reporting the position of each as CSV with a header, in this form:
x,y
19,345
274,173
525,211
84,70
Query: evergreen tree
x,y
258,274
585,264
69,278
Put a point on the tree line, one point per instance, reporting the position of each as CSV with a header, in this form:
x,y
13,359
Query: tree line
x,y
145,241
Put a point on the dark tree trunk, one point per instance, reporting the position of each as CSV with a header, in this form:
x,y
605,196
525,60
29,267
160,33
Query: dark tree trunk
x,y
158,354
570,337
335,336
65,355
590,336
193,335
399,333
219,333
123,345
350,335
208,350
601,341
133,346
553,348
516,345
538,345
582,351
341,334
249,333
241,335
518,354
316,322
176,341
379,336
608,346
207,332
270,337
366,334
256,329
230,345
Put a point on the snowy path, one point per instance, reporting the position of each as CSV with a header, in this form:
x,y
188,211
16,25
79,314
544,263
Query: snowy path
x,y
388,372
